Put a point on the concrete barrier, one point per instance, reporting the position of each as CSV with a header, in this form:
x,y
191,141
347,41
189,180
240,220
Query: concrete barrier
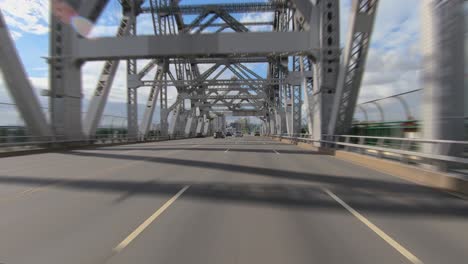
x,y
435,179
304,145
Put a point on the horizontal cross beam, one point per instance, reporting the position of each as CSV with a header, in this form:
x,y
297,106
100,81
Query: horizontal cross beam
x,y
230,7
200,45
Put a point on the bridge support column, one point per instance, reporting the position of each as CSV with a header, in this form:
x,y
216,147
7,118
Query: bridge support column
x,y
149,111
273,130
289,111
281,122
223,124
443,74
182,122
199,129
174,120
65,81
206,125
132,89
191,125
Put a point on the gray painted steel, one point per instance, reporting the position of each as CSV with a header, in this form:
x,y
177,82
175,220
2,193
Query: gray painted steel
x,y
443,73
203,45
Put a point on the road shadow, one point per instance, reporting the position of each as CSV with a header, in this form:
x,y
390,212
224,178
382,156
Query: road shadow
x,y
290,196
232,148
305,177
302,189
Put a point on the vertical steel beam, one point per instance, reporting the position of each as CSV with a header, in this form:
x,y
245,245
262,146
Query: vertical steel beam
x,y
316,104
329,59
164,113
19,85
190,125
151,103
206,125
443,47
352,69
132,92
200,123
65,79
175,114
319,91
272,116
289,109
296,108
308,91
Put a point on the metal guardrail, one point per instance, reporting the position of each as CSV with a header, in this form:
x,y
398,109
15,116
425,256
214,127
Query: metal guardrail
x,y
50,142
407,150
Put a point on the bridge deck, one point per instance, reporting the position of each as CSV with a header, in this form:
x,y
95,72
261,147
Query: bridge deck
x,y
249,200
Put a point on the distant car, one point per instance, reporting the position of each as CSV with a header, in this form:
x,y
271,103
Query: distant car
x,y
228,134
257,134
239,134
218,134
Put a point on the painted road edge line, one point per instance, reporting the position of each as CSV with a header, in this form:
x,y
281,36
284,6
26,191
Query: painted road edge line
x,y
122,245
403,251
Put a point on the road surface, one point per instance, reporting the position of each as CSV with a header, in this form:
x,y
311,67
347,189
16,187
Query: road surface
x,y
235,200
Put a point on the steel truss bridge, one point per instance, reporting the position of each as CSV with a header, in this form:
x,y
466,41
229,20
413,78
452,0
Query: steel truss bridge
x,y
193,45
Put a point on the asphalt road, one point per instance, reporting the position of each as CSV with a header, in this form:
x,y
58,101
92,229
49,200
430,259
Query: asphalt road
x,y
235,200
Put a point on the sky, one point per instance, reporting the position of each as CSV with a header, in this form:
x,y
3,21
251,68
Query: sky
x,y
393,66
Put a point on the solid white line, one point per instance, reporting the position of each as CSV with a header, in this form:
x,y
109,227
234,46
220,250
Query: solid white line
x,y
148,221
376,229
226,150
276,152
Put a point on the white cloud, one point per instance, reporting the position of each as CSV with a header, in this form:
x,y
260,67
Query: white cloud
x,y
257,17
26,16
394,60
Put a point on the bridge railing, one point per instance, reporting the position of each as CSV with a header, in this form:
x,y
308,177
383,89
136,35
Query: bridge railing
x,y
437,153
12,143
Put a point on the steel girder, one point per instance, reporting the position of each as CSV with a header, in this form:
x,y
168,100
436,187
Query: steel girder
x,y
132,92
101,93
199,45
444,75
352,69
272,47
151,103
65,80
231,8
19,85
65,73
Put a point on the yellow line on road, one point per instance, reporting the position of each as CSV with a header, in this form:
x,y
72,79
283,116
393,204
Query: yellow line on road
x,y
148,221
376,229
